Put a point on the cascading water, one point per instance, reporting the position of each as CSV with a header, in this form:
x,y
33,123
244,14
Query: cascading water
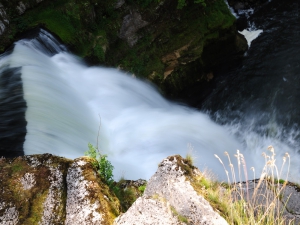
x,y
65,102
258,100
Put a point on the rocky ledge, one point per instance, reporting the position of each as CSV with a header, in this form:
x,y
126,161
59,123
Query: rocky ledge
x,y
46,189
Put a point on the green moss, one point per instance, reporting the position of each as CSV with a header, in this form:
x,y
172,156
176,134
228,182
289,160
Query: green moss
x,y
142,188
36,210
100,192
57,23
16,168
180,217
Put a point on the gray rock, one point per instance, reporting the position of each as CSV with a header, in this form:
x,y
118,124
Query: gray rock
x,y
291,196
10,215
53,190
119,4
169,185
3,19
148,211
286,198
22,8
130,25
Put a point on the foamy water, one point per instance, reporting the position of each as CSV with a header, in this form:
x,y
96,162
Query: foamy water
x,y
68,102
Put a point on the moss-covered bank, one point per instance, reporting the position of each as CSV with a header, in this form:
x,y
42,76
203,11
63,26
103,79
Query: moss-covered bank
x,y
155,40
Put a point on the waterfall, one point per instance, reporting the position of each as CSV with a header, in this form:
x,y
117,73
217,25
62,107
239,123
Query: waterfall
x,y
68,102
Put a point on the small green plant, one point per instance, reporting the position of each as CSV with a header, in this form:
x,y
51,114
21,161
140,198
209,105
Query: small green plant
x,y
105,168
142,188
202,2
16,168
190,158
127,197
182,3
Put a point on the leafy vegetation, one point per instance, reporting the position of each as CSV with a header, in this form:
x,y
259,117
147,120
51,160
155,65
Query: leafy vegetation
x,y
181,218
182,3
126,195
103,165
142,188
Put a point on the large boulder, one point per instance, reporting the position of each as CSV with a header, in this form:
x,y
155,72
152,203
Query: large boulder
x,y
171,199
46,189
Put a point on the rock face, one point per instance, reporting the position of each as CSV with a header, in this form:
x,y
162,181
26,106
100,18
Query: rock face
x,y
3,19
45,189
19,8
246,4
131,24
174,48
170,199
287,203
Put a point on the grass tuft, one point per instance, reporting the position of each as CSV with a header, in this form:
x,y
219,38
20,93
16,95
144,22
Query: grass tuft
x,y
257,202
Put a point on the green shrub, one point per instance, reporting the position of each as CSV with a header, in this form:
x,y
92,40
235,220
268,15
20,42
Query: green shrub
x,y
142,188
105,168
126,197
182,3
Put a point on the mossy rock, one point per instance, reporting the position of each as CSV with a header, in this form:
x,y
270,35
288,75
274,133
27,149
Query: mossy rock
x,y
39,189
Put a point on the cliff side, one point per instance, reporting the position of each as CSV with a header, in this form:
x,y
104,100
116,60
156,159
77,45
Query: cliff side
x,y
173,46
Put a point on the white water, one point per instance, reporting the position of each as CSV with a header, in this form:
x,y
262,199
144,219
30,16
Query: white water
x,y
250,34
139,127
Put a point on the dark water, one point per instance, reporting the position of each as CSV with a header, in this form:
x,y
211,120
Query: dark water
x,y
263,92
12,112
12,103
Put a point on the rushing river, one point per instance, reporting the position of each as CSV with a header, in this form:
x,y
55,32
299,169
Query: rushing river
x,y
51,102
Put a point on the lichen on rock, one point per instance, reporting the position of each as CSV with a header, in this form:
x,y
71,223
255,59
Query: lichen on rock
x,y
149,211
79,207
86,202
10,215
46,189
28,181
170,185
54,201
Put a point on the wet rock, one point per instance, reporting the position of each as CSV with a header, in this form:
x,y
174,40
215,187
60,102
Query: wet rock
x,y
246,4
130,25
119,4
3,19
22,7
